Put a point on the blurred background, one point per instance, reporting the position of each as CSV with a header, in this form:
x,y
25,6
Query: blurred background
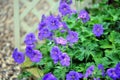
x,y
17,18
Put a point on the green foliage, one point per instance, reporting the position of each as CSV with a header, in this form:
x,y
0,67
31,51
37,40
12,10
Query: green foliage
x,y
24,75
89,50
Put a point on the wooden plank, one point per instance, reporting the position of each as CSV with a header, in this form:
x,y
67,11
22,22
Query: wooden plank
x,y
16,24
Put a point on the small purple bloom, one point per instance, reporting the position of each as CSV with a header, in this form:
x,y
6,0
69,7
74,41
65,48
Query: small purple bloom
x,y
72,75
42,25
101,67
64,28
64,59
112,73
53,22
43,18
30,39
72,37
64,9
117,69
55,54
60,40
36,56
49,76
66,1
89,71
97,30
29,51
18,56
44,33
84,16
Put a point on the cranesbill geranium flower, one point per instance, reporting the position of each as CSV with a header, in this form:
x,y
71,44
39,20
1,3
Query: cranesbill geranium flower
x,y
72,37
44,34
117,69
53,22
89,71
112,73
67,1
64,9
60,40
97,30
64,59
42,25
84,16
55,54
36,56
73,75
101,67
29,51
30,39
49,76
18,56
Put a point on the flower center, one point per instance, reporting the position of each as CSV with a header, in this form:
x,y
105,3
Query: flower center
x,y
64,8
83,16
73,77
98,29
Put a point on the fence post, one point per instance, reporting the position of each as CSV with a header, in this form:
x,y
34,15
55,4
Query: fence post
x,y
16,24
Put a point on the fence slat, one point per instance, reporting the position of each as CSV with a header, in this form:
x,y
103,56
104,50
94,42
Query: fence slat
x,y
16,24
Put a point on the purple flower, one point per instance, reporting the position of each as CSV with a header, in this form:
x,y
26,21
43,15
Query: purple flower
x,y
44,33
64,59
55,54
101,67
18,56
49,76
89,71
112,73
72,75
64,9
53,22
43,18
66,1
42,25
72,37
117,69
36,56
60,40
64,28
84,16
97,30
29,51
30,39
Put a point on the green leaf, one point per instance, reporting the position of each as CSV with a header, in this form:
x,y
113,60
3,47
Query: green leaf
x,y
105,44
112,36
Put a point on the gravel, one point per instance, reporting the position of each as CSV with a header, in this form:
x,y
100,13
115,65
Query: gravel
x,y
8,68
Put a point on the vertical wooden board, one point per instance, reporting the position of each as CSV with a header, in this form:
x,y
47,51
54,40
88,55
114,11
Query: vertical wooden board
x,y
16,24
